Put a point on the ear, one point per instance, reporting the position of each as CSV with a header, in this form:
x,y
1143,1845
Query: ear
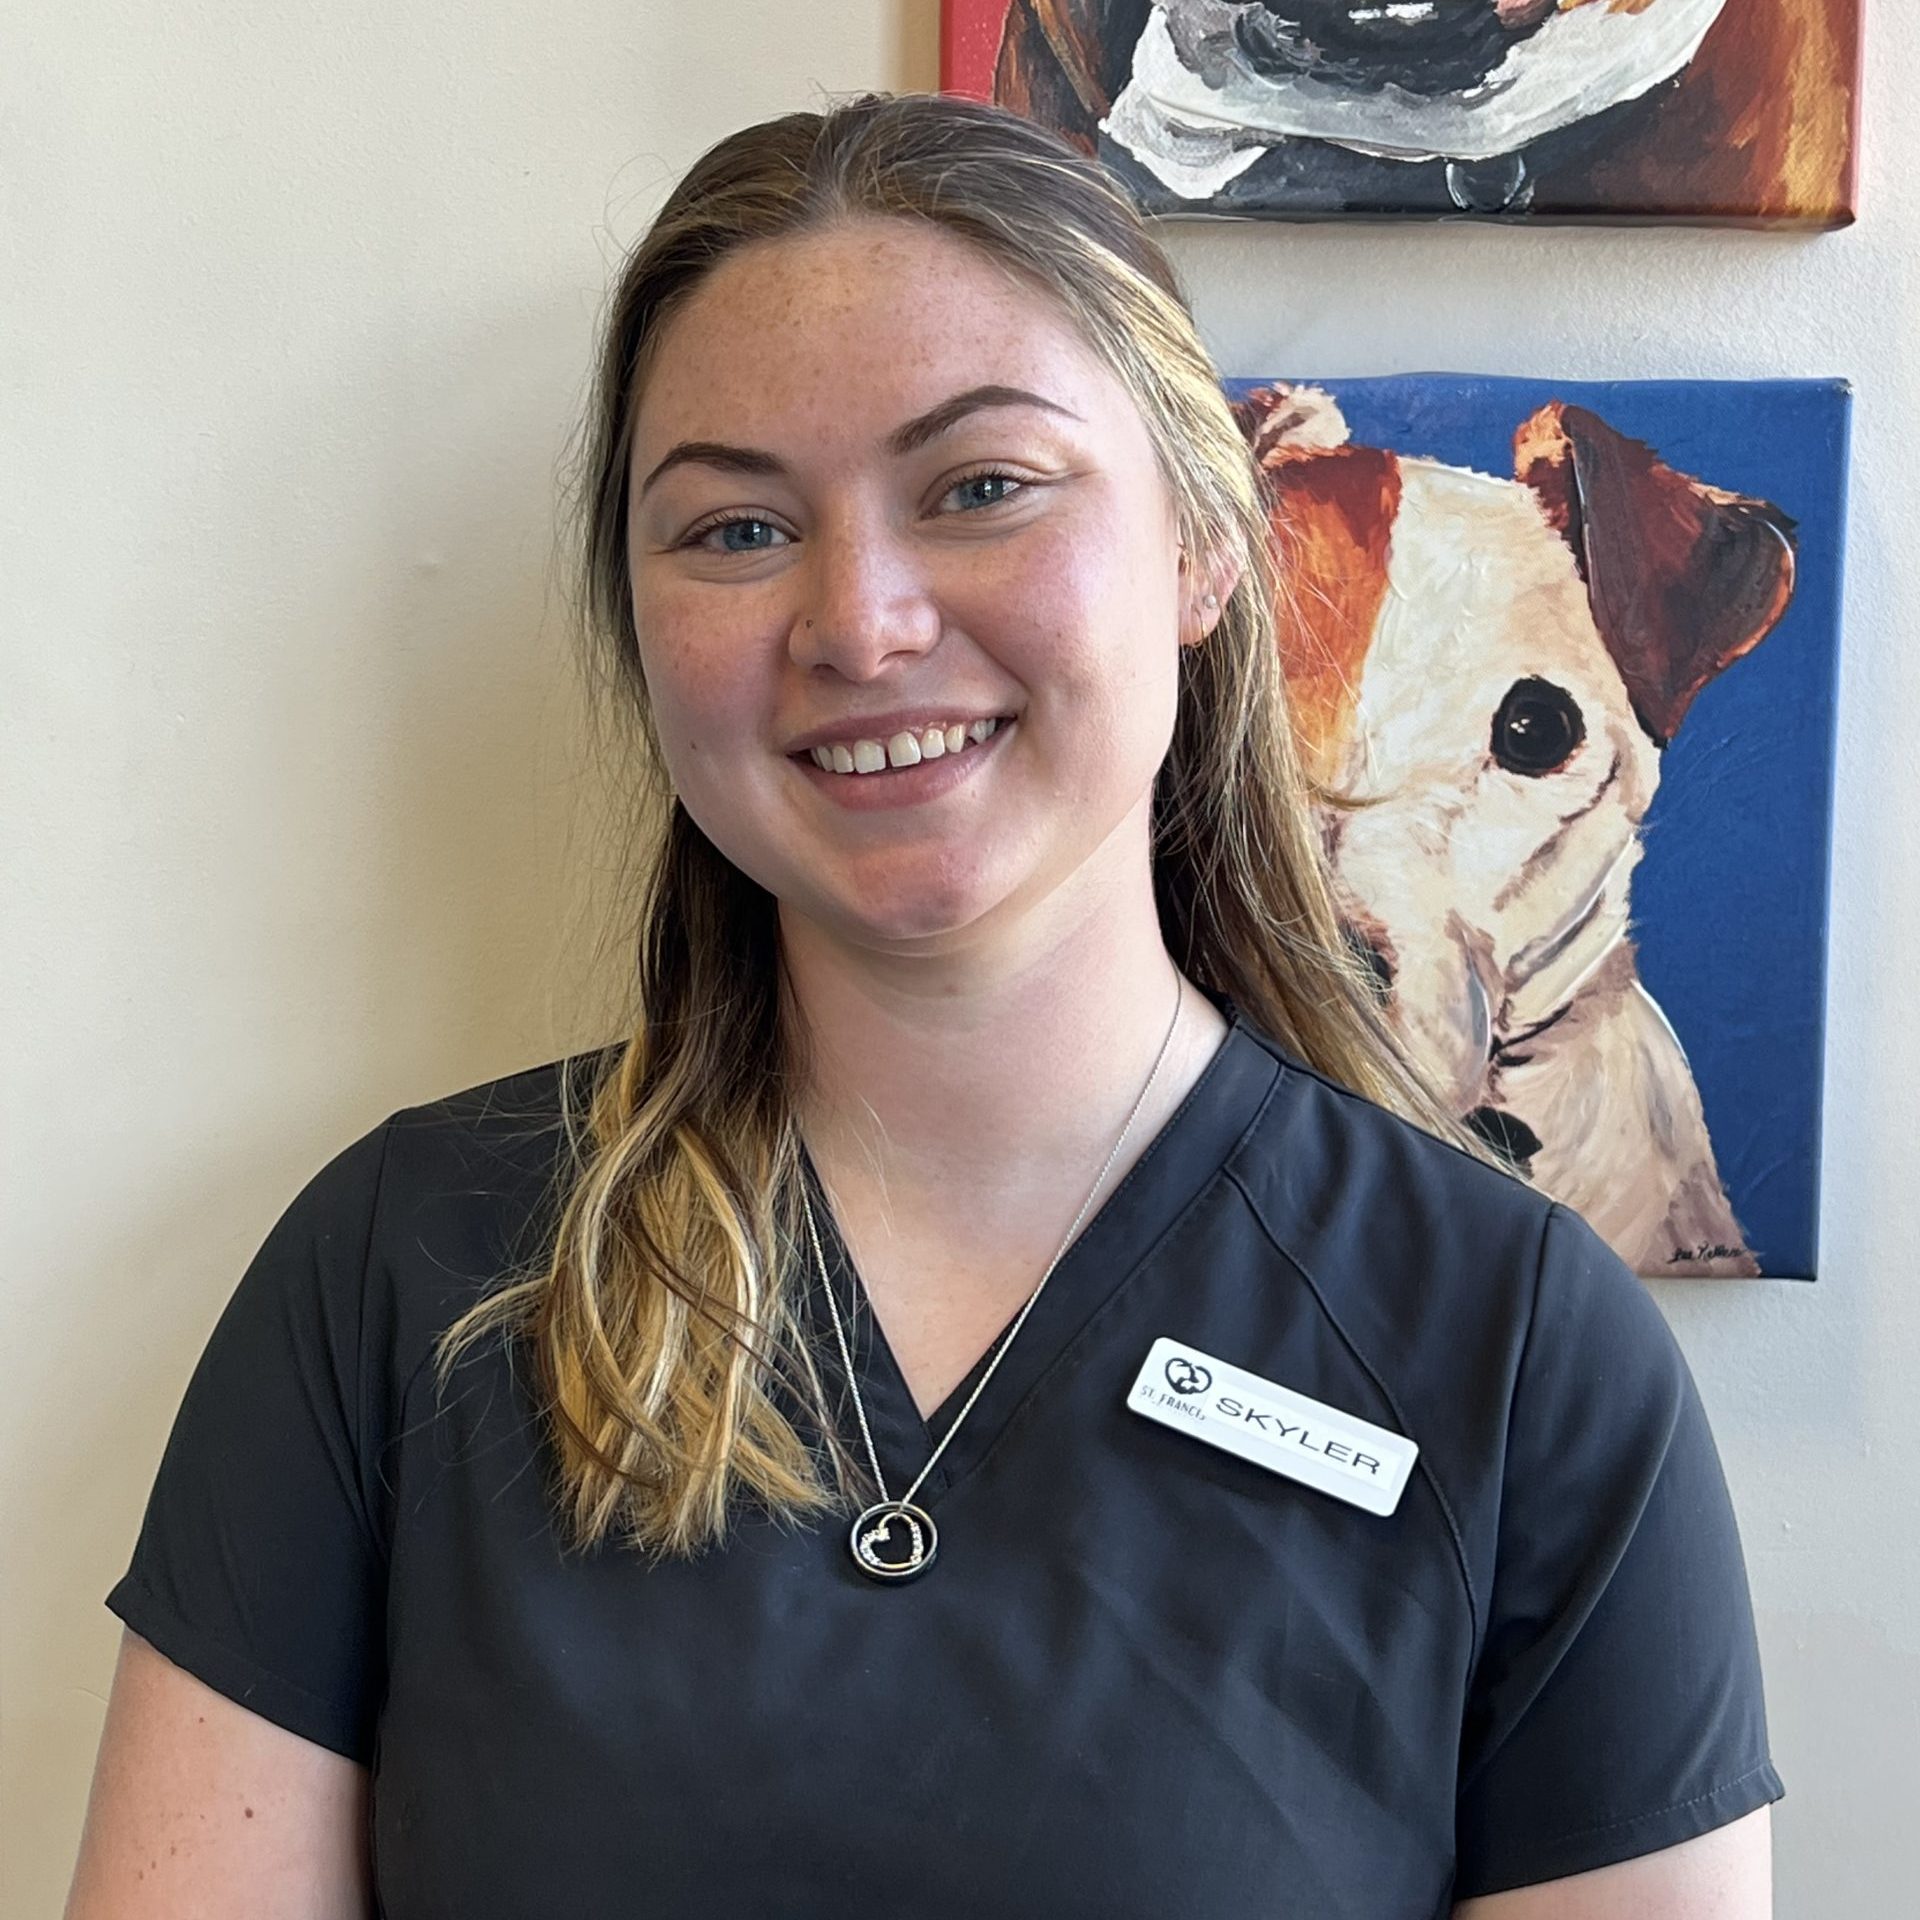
x,y
1682,578
1205,590
1332,516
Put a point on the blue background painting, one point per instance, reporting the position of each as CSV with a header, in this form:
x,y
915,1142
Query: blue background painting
x,y
1730,899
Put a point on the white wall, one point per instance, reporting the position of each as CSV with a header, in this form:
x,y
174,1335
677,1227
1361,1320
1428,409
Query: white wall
x,y
294,309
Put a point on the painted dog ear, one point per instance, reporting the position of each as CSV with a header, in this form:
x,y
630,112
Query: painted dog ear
x,y
1284,422
1682,578
1064,62
1331,509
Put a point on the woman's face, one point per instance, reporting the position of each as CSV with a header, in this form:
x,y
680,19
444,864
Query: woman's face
x,y
879,487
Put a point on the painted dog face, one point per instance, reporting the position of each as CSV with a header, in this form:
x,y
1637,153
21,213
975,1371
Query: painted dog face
x,y
1495,666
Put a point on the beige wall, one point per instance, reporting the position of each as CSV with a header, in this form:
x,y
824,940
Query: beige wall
x,y
294,308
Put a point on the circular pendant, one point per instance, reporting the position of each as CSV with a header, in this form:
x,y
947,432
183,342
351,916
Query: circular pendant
x,y
894,1541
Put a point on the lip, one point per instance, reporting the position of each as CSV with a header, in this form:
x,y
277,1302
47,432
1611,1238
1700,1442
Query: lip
x,y
905,786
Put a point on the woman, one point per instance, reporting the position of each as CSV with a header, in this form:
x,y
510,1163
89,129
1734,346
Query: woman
x,y
1006,1394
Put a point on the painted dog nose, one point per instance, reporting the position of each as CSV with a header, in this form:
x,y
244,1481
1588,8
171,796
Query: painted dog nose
x,y
1508,1135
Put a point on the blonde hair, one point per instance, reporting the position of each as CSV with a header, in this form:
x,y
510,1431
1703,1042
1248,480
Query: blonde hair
x,y
663,1316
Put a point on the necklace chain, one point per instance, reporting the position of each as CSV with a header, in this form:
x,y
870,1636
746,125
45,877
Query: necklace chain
x,y
839,1330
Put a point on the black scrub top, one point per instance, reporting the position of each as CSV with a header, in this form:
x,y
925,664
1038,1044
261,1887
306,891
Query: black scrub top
x,y
1143,1675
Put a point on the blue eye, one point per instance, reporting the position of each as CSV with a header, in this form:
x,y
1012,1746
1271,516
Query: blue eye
x,y
986,489
742,535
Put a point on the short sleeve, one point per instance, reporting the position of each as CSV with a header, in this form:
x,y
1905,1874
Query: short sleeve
x,y
260,1562
1617,1707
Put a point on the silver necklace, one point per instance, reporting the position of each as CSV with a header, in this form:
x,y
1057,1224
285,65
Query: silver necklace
x,y
894,1539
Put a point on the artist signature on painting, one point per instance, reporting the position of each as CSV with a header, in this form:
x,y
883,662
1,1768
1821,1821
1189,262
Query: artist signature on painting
x,y
1706,1250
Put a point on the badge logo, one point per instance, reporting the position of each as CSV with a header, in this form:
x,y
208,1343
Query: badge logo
x,y
1186,1379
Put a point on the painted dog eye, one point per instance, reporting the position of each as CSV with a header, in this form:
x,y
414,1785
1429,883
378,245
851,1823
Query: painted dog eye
x,y
1537,728
1373,954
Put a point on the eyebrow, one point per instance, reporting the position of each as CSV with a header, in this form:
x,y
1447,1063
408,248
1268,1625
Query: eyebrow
x,y
902,440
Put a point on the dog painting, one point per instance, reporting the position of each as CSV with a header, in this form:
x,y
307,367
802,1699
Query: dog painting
x,y
1718,111
1560,661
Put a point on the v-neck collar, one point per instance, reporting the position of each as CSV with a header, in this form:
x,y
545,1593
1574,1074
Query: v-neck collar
x,y
1177,1163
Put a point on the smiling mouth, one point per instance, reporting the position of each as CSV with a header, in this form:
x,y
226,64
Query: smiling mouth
x,y
867,759
894,789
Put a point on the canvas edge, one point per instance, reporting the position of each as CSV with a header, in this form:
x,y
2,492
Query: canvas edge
x,y
1840,388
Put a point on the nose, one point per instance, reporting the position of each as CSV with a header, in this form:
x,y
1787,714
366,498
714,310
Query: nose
x,y
862,601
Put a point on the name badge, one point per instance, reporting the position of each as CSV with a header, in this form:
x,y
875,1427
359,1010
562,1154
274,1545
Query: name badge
x,y
1274,1427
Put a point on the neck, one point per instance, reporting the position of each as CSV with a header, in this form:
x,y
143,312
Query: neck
x,y
998,1074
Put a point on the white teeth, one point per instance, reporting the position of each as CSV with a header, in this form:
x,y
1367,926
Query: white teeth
x,y
905,749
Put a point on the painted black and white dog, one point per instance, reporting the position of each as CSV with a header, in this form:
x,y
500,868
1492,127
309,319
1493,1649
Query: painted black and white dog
x,y
1712,109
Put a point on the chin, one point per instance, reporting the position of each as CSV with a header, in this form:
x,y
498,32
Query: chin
x,y
917,909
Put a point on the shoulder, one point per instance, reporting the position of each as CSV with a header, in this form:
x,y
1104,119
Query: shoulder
x,y
411,1222
470,1190
498,1139
1407,1241
1477,1302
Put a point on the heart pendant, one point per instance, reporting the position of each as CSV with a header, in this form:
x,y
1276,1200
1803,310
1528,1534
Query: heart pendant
x,y
894,1541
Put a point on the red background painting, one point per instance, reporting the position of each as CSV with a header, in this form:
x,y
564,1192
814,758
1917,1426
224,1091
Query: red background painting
x,y
969,40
